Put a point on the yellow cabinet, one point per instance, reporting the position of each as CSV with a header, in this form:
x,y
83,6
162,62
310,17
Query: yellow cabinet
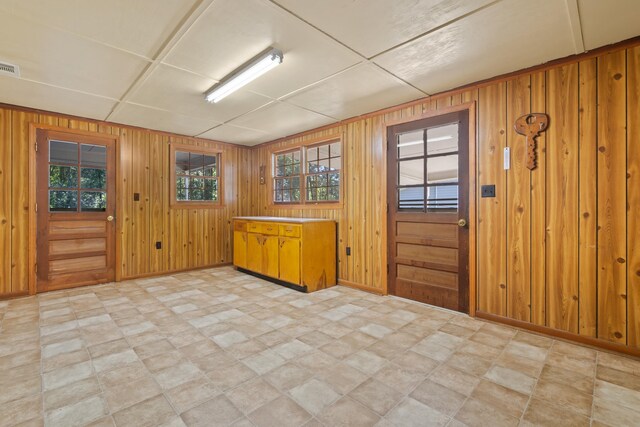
x,y
289,264
300,253
240,248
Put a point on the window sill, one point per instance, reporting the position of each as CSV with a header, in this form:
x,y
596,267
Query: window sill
x,y
321,205
196,205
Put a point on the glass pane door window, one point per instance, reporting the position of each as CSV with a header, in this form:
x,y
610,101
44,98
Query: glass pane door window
x,y
196,177
77,177
428,169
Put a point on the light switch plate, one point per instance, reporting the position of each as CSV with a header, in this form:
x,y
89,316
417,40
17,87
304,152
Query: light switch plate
x,y
507,158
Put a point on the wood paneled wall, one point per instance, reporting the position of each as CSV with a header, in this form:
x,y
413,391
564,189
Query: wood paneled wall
x,y
558,246
191,238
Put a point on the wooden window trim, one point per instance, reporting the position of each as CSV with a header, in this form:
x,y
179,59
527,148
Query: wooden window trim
x,y
304,203
181,204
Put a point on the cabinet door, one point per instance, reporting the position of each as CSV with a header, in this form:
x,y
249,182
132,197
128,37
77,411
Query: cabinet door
x,y
290,260
254,252
270,256
240,249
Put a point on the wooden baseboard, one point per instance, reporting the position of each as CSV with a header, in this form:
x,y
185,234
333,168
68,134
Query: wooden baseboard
x,y
361,287
555,333
14,295
169,272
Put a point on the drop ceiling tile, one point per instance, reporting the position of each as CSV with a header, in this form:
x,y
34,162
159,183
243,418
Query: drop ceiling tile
x,y
182,92
237,135
50,98
149,118
140,26
281,119
606,22
508,36
360,90
62,59
373,26
232,32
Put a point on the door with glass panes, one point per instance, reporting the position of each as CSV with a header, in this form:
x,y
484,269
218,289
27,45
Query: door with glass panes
x,y
75,209
428,210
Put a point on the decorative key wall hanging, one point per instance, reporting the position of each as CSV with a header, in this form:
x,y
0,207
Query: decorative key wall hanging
x,y
531,125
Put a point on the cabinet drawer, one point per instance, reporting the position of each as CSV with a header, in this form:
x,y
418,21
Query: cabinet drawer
x,y
270,229
254,227
290,230
239,226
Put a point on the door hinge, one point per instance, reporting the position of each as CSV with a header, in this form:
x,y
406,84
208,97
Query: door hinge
x,y
36,268
36,208
36,144
387,268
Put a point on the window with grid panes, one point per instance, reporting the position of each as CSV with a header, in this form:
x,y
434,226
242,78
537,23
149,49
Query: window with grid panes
x,y
322,179
287,177
196,176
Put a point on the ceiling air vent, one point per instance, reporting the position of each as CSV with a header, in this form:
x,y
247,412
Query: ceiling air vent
x,y
9,69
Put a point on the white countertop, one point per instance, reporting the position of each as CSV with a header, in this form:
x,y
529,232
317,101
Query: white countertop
x,y
281,219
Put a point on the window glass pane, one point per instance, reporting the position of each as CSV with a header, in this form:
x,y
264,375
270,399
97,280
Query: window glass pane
x,y
211,189
181,194
334,193
411,172
312,181
278,196
182,162
63,152
336,150
334,179
442,198
196,183
323,152
63,201
93,155
210,165
93,201
295,182
442,169
411,144
93,178
411,198
443,139
196,164
335,163
295,195
312,153
312,194
63,176
323,165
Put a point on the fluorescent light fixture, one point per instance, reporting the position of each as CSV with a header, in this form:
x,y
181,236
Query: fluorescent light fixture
x,y
253,69
440,138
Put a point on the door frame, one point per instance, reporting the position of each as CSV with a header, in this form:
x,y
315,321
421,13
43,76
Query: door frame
x,y
472,168
33,186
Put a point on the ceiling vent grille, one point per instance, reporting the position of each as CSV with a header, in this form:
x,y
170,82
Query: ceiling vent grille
x,y
9,69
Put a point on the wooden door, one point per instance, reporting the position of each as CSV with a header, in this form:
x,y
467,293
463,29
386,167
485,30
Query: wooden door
x,y
254,252
270,256
76,208
289,260
428,210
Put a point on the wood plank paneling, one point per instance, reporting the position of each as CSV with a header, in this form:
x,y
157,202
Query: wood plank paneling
x,y
562,153
518,205
6,172
633,194
588,254
612,186
492,259
539,208
157,184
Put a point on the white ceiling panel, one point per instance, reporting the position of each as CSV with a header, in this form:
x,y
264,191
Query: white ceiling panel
x,y
233,31
50,98
606,22
238,135
62,59
139,26
373,26
138,115
505,37
282,119
182,92
359,90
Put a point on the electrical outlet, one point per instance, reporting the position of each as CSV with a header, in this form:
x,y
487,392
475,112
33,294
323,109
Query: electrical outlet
x,y
158,245
348,251
136,197
488,191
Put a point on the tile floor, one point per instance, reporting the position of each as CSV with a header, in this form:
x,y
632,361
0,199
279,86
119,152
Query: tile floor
x,y
217,347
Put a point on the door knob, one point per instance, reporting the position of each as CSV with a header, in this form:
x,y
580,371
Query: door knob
x,y
462,222
109,218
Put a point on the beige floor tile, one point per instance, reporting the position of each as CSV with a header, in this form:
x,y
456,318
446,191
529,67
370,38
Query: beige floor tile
x,y
376,396
215,412
399,378
123,375
114,360
227,377
77,414
314,395
365,361
64,359
612,414
563,396
342,377
71,393
605,391
621,378
154,348
21,410
578,381
151,412
191,394
252,394
288,376
478,413
454,379
128,394
470,364
438,397
178,374
67,375
348,412
411,413
511,379
504,399
282,412
621,363
542,414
